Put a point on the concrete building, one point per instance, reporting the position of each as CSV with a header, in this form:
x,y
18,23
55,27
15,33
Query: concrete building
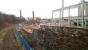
x,y
81,20
85,9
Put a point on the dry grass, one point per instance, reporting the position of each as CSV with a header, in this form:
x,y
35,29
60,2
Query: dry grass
x,y
3,31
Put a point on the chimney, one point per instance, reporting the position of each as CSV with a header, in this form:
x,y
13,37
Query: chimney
x,y
33,14
20,14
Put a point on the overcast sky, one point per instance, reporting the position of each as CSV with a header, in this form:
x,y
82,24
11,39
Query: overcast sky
x,y
42,8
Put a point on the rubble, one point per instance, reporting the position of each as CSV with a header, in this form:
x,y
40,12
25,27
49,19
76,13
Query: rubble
x,y
62,38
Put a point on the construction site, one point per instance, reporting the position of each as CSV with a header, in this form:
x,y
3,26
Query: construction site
x,y
61,33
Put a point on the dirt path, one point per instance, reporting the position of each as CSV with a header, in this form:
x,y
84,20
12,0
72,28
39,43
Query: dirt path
x,y
9,42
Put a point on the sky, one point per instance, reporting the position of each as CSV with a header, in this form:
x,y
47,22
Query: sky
x,y
42,8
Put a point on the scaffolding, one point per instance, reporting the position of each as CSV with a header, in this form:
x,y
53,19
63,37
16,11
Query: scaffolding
x,y
80,19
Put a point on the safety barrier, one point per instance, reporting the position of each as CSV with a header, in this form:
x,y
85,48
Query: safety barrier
x,y
23,41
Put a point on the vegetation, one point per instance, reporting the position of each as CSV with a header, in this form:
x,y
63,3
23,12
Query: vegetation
x,y
8,19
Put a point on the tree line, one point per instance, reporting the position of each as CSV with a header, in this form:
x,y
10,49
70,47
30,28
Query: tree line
x,y
8,19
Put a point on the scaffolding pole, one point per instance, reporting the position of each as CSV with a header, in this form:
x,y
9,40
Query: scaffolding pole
x,y
60,19
62,11
82,3
69,17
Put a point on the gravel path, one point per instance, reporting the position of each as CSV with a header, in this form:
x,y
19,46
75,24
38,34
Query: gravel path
x,y
9,42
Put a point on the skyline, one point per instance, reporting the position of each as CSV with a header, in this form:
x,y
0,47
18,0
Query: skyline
x,y
42,8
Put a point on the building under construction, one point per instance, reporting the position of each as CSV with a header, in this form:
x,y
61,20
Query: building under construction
x,y
81,20
70,33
